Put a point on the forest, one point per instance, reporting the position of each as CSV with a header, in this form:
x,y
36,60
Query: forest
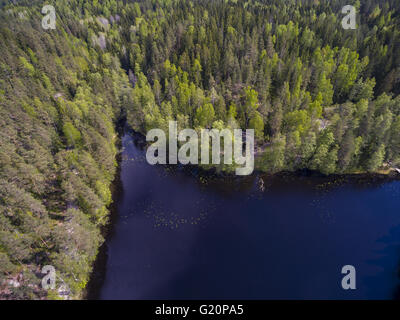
x,y
319,97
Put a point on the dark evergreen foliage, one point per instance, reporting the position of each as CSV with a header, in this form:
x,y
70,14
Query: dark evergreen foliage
x,y
318,96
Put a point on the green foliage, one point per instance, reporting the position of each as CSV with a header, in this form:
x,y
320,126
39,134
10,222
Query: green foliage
x,y
257,123
377,158
299,81
205,115
72,135
273,159
27,66
318,97
59,99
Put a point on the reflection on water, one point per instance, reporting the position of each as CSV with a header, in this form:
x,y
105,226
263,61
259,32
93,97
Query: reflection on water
x,y
183,234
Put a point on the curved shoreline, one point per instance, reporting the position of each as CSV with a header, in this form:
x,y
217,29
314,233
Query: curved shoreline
x,y
92,291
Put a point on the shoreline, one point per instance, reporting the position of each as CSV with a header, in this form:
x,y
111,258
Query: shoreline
x,y
388,172
92,290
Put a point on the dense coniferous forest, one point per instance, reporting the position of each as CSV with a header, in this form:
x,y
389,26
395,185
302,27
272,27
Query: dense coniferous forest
x,y
318,96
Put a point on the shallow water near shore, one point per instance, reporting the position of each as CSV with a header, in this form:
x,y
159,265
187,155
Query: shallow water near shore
x,y
182,234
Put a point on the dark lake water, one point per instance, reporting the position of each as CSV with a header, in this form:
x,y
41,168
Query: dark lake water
x,y
182,235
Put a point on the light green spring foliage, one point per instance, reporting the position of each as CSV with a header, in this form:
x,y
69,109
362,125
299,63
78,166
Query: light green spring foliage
x,y
303,77
60,98
318,97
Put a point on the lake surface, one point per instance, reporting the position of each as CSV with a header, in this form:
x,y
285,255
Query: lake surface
x,y
180,234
